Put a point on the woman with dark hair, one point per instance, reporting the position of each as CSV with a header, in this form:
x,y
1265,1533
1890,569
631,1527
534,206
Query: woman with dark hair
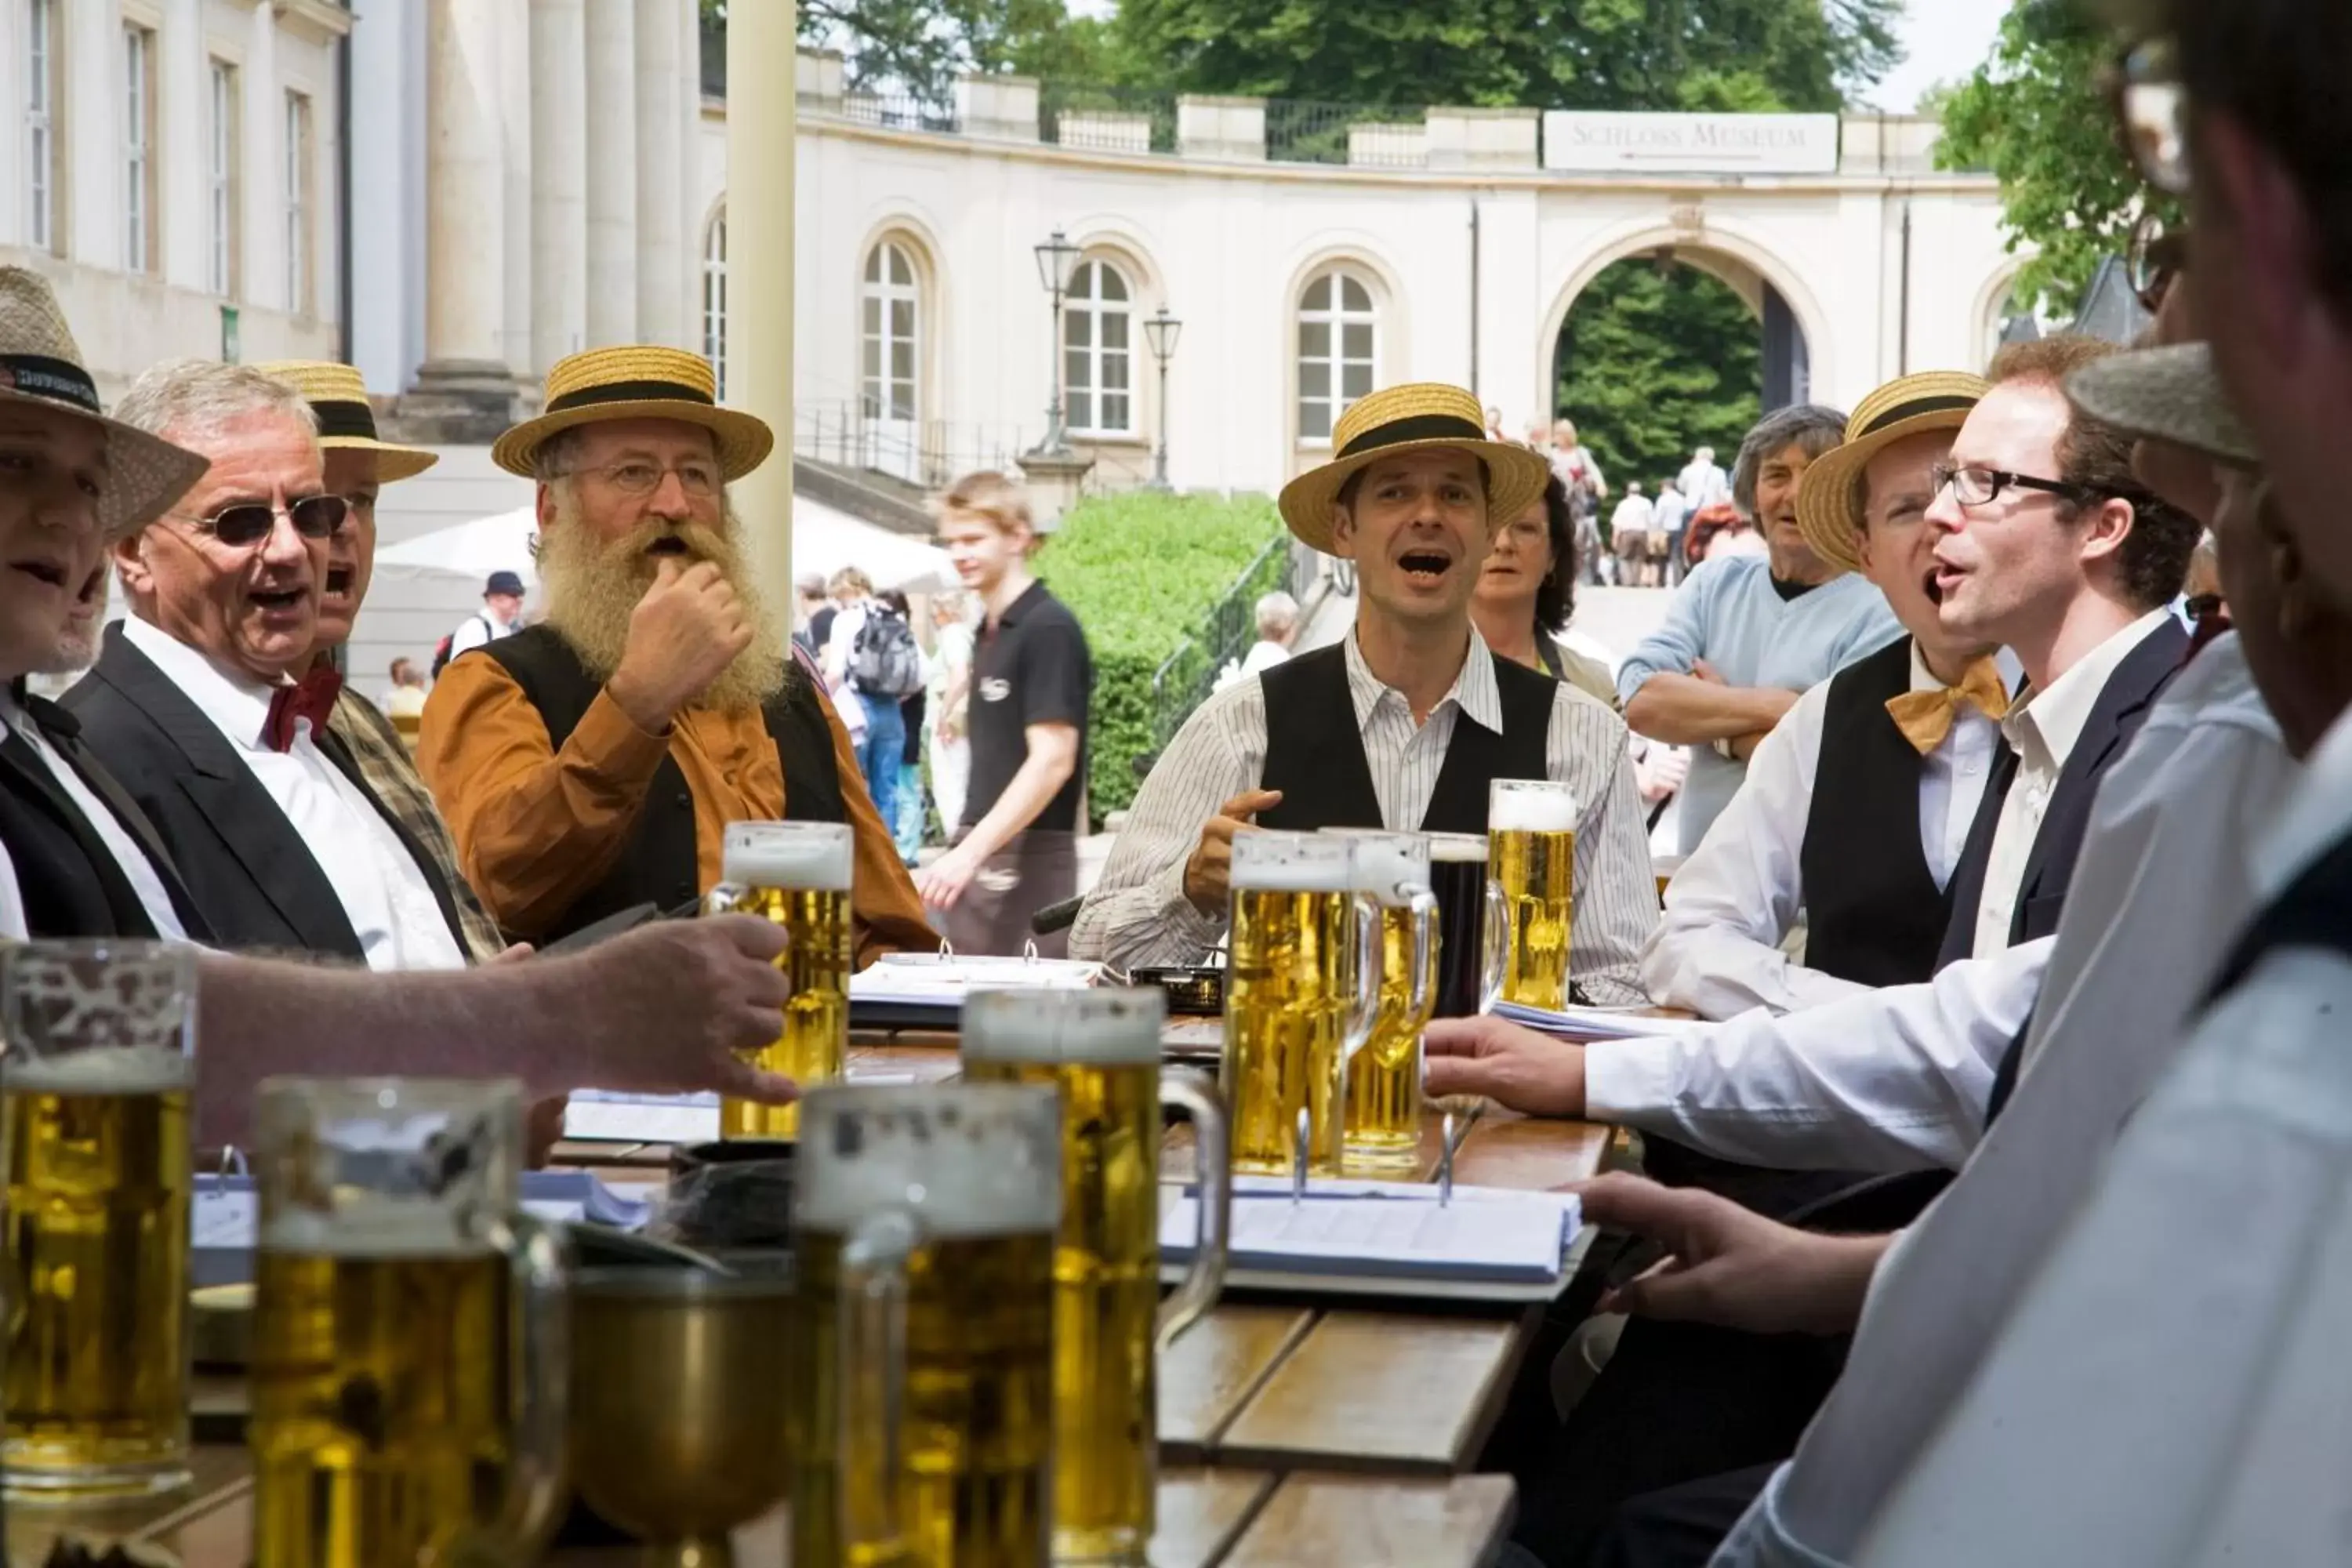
x,y
1528,591
906,831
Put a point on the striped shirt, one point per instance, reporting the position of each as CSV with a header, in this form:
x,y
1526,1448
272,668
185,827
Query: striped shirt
x,y
1138,914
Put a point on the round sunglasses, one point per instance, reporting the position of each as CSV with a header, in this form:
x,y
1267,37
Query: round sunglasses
x,y
247,524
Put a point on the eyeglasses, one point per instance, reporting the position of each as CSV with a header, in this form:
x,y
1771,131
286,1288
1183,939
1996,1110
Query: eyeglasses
x,y
1973,486
249,523
2151,110
698,481
2157,255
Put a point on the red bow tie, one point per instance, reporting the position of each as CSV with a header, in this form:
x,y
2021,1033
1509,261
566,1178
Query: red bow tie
x,y
312,698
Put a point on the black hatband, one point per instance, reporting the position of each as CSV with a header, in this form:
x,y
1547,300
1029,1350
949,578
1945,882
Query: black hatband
x,y
55,380
1415,428
630,392
1918,407
345,417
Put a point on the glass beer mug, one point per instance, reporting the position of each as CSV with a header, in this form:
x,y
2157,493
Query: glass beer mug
x,y
95,1114
796,874
1532,837
1300,996
1473,923
1101,1049
1383,1132
409,1364
921,1376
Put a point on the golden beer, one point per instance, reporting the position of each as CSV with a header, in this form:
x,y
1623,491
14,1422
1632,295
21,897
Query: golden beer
x,y
1383,1117
1101,1050
921,1379
797,875
1298,997
1532,837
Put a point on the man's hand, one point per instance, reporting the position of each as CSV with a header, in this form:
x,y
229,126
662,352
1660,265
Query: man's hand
x,y
665,1008
943,882
1206,872
1517,1066
1702,670
682,635
1744,746
1730,1267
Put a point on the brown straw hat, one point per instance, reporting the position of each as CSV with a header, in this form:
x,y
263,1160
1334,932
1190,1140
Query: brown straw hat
x,y
636,381
40,363
2172,394
1403,419
1829,503
346,418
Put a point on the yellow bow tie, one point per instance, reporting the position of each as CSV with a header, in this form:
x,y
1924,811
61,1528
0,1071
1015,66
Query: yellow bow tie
x,y
1925,717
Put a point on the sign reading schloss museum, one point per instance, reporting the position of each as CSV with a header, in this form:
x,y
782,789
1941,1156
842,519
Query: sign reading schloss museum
x,y
1595,142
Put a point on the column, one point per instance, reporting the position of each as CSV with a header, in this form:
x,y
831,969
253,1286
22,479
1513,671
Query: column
x,y
516,111
760,56
389,234
611,143
694,194
559,197
465,390
661,248
261,170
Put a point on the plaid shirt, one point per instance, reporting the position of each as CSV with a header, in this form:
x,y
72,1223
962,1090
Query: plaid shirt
x,y
392,778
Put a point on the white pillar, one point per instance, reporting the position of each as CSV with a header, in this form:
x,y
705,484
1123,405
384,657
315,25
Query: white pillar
x,y
389,232
515,115
262,169
761,63
559,197
661,248
692,205
612,143
465,390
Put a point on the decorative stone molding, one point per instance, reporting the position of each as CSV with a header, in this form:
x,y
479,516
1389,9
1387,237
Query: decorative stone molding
x,y
1483,139
1229,128
1002,108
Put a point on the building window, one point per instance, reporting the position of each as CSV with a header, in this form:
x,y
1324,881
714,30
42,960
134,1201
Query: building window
x,y
1336,332
297,204
220,179
889,321
138,184
44,162
714,300
1095,352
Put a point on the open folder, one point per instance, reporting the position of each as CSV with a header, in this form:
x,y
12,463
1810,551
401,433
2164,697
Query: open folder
x,y
1383,1230
1596,1023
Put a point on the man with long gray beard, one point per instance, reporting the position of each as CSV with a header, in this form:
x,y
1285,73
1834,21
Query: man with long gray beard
x,y
591,763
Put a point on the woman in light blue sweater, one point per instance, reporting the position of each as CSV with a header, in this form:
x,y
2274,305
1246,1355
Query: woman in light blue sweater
x,y
1747,635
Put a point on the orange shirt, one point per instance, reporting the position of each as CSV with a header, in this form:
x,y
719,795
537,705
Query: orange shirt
x,y
536,827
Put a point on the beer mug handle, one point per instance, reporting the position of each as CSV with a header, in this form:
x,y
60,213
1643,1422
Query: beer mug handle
x,y
1494,945
1364,1008
1212,1158
540,1372
1423,905
722,898
870,1371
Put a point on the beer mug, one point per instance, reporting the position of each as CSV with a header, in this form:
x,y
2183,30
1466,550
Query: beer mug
x,y
1474,925
1531,834
1384,1079
797,875
921,1376
1101,1048
1301,994
410,1370
95,1091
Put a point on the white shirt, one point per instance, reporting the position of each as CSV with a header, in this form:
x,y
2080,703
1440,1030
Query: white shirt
x,y
384,894
2168,873
1264,654
1633,515
481,626
1138,914
131,859
2043,730
1717,950
1703,485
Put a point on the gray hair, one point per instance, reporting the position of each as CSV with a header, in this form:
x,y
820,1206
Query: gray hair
x,y
1277,614
199,397
1808,425
559,455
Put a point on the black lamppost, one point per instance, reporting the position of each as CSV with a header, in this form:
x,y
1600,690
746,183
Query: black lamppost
x,y
1057,258
1160,331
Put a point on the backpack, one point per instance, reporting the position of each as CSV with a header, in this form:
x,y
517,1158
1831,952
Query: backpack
x,y
441,649
884,660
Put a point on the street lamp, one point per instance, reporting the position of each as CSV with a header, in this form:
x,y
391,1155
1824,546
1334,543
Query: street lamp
x,y
1160,331
1057,258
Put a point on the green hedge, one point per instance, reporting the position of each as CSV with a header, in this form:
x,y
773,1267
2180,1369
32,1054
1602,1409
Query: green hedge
x,y
1141,572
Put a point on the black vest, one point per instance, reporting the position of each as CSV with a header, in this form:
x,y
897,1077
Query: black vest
x,y
1873,911
1315,752
658,866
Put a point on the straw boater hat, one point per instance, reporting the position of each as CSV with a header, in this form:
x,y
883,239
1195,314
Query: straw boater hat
x,y
40,363
1829,503
1403,419
346,418
2172,394
637,382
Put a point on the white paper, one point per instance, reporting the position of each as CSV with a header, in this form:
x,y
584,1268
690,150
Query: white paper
x,y
1595,1022
600,1115
915,980
1494,1236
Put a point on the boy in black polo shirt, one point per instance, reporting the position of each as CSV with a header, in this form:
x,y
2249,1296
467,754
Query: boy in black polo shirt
x,y
1016,849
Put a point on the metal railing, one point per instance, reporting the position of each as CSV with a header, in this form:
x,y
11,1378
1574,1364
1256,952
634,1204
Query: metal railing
x,y
1303,133
1188,674
1106,119
899,112
927,455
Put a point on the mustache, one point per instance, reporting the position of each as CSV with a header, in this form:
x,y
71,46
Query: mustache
x,y
701,541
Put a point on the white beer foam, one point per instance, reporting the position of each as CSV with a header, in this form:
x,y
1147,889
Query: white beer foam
x,y
1292,862
102,1069
1458,849
816,856
1388,861
961,1160
1531,811
1104,1027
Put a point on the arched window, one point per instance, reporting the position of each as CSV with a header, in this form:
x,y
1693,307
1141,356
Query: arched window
x,y
1097,351
1337,325
889,318
714,299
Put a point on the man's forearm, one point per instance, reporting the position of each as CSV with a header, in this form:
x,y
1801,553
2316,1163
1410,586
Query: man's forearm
x,y
1684,710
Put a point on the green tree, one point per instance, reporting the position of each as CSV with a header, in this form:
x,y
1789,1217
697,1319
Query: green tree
x,y
921,46
2037,115
1653,362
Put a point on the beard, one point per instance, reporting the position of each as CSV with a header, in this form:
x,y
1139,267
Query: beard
x,y
594,585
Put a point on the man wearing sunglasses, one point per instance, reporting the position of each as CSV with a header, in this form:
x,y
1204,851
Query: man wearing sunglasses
x,y
204,704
